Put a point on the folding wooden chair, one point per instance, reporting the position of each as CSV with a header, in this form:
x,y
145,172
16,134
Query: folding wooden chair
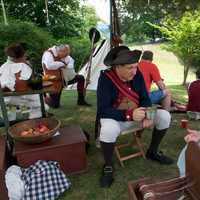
x,y
136,142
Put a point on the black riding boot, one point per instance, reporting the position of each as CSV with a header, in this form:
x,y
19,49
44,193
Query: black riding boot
x,y
81,100
106,179
153,153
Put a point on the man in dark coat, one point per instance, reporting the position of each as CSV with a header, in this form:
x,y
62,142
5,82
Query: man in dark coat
x,y
121,101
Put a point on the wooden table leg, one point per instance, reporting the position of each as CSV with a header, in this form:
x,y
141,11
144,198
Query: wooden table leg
x,y
42,105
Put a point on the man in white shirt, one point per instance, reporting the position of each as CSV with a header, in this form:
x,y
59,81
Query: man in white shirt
x,y
58,62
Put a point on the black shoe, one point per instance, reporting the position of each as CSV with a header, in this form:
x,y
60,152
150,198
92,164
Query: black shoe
x,y
106,179
159,157
83,103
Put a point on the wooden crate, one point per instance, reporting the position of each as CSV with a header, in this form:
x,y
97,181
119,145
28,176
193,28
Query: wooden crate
x,y
3,166
68,149
132,188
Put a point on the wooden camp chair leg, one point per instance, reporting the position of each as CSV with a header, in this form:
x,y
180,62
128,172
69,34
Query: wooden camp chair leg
x,y
119,156
135,142
140,145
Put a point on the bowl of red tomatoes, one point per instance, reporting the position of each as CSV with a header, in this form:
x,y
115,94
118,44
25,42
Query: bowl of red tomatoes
x,y
34,131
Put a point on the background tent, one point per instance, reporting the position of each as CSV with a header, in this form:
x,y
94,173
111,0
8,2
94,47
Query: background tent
x,y
97,65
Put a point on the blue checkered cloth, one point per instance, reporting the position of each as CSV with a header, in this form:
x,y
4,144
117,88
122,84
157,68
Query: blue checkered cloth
x,y
44,181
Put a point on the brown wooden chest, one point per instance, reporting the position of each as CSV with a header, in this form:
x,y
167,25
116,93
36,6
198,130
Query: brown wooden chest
x,y
68,149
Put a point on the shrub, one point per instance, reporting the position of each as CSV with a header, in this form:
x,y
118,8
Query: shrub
x,y
183,37
36,40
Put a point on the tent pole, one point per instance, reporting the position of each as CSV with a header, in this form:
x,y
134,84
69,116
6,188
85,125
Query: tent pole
x,y
4,13
111,21
47,11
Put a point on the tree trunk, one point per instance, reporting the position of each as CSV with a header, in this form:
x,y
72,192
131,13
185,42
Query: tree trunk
x,y
185,74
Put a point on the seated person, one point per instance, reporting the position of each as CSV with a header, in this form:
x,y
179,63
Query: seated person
x,y
57,61
121,98
14,74
192,136
194,94
16,70
151,74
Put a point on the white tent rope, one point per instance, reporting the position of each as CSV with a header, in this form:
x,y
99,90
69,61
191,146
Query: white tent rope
x,y
47,11
4,13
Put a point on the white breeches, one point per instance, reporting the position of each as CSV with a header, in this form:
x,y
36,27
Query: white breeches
x,y
111,129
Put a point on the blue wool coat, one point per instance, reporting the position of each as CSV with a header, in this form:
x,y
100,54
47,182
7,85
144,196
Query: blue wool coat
x,y
107,94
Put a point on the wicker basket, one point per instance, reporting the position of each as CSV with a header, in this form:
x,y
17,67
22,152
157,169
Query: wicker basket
x,y
15,130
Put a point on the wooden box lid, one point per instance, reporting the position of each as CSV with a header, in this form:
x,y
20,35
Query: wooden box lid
x,y
69,135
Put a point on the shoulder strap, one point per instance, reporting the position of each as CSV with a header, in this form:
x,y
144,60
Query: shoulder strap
x,y
130,94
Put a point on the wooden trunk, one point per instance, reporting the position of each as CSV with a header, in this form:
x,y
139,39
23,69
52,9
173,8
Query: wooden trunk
x,y
171,188
68,149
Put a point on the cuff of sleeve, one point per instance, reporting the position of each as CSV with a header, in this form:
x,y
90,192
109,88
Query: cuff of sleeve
x,y
129,115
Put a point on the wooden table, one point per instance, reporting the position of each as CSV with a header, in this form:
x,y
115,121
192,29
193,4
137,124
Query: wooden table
x,y
68,149
29,91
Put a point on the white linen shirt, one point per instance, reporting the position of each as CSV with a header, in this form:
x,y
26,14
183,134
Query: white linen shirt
x,y
8,71
49,61
68,71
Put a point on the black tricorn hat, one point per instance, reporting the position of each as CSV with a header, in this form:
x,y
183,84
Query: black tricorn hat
x,y
122,55
97,36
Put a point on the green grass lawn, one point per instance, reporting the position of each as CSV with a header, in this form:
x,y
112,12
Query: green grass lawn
x,y
86,186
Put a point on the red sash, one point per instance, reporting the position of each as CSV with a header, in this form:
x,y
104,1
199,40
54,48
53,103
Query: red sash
x,y
130,94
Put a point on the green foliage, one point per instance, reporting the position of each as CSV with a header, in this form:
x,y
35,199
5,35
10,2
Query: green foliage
x,y
137,13
183,37
90,17
64,15
69,23
36,39
80,49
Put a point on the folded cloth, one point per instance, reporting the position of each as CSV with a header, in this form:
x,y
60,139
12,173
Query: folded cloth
x,y
44,180
8,71
14,183
181,162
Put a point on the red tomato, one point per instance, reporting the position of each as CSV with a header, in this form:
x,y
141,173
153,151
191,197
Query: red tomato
x,y
24,133
43,129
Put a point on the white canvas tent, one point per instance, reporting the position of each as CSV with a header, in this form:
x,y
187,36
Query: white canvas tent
x,y
97,65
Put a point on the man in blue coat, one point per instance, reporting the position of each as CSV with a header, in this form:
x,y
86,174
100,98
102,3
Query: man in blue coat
x,y
121,102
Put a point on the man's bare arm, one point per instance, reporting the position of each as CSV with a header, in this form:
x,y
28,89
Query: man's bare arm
x,y
161,85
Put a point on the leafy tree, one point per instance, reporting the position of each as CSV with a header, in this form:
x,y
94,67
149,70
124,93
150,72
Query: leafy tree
x,y
135,14
36,40
90,17
64,15
183,37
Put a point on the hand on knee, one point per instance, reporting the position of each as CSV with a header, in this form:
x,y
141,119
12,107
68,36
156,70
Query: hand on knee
x,y
167,93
